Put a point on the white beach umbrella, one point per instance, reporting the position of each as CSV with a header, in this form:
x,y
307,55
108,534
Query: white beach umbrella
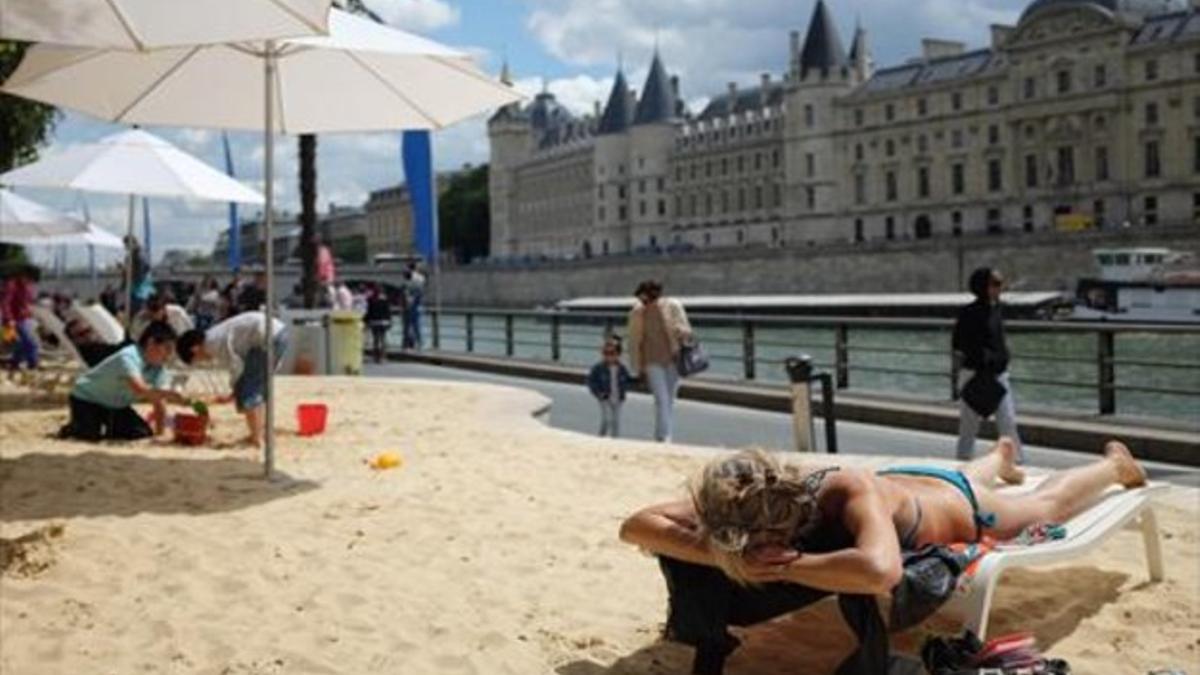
x,y
151,24
132,162
95,236
360,77
24,222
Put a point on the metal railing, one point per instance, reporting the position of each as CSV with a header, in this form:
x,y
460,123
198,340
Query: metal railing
x,y
743,343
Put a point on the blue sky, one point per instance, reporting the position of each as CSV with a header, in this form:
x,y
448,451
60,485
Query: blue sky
x,y
571,46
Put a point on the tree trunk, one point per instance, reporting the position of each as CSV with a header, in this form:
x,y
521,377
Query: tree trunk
x,y
308,219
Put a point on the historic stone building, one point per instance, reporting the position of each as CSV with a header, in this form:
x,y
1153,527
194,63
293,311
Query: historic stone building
x,y
1086,113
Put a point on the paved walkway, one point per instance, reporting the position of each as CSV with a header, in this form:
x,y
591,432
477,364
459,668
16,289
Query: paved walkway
x,y
707,424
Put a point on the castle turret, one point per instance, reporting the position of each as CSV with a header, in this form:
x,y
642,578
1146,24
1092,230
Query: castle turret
x,y
860,55
652,140
511,141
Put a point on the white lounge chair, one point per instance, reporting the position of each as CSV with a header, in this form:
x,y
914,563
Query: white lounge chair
x,y
60,362
1116,509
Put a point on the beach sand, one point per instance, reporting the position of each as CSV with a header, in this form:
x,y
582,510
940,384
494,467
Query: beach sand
x,y
492,549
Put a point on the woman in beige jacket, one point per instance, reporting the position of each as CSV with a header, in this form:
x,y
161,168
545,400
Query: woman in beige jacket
x,y
657,326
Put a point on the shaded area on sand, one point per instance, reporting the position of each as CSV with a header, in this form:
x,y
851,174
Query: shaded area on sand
x,y
1052,604
91,484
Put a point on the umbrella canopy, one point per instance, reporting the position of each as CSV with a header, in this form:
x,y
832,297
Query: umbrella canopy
x,y
132,162
95,236
23,221
361,77
150,24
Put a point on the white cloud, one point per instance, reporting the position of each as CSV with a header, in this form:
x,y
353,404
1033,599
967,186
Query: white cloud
x,y
416,15
577,93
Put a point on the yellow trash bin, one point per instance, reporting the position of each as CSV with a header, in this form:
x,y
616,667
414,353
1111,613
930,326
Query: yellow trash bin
x,y
346,343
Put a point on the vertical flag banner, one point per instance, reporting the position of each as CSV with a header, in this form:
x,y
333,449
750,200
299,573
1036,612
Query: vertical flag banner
x,y
146,232
418,173
235,229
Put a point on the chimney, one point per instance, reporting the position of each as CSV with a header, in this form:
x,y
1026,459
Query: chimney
x,y
1000,34
764,90
794,38
675,86
732,95
932,48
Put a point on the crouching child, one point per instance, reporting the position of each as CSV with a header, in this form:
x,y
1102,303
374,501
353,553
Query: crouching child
x,y
103,397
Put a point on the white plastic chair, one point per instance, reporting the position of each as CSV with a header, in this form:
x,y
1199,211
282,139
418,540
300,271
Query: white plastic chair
x,y
1085,532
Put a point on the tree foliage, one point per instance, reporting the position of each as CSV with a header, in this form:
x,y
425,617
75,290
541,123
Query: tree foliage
x,y
24,125
464,216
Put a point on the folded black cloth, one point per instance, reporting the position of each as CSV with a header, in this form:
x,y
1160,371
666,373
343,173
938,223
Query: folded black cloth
x,y
983,393
929,579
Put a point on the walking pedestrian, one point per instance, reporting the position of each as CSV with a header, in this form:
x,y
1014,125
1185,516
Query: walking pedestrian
x,y
379,320
609,381
20,292
983,381
657,327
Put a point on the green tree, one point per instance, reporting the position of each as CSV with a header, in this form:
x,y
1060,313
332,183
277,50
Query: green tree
x,y
24,125
464,216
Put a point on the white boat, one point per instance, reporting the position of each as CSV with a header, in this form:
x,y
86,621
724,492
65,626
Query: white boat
x,y
1140,285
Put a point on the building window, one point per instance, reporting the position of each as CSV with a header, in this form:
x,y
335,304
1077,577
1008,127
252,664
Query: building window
x,y
858,117
890,186
889,147
708,169
1100,76
777,195
1150,215
693,171
1066,165
604,247
708,203
858,152
956,101
993,134
621,214
1030,87
922,107
858,230
994,221
810,198
810,165
775,158
1151,114
741,199
693,205
809,116
889,225
600,191
1196,154
661,183
956,138
642,186
1027,218
662,207
860,189
1196,208
1196,63
741,163
995,177
741,236
1063,77
922,144
1151,70
600,214
958,179
1098,214
724,201
620,192
889,112
758,197
1102,163
1153,163
956,223
923,181
641,207
758,161
1101,122
1031,171
707,242
993,95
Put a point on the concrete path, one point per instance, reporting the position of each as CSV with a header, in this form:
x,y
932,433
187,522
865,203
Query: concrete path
x,y
723,426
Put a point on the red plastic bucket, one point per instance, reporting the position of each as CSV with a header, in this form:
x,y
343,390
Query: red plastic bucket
x,y
191,429
310,417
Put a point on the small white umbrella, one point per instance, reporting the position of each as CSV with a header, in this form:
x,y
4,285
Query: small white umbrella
x,y
150,24
361,77
132,162
24,222
94,236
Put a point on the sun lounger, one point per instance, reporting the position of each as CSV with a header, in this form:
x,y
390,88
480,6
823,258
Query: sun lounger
x,y
59,360
1085,532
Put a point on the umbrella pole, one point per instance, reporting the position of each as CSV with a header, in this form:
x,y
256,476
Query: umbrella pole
x,y
268,219
127,315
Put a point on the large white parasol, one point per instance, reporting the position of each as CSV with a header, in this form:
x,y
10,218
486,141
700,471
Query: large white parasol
x,y
361,77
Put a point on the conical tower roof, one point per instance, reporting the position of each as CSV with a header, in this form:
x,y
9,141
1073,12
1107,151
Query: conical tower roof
x,y
618,114
658,97
859,48
822,46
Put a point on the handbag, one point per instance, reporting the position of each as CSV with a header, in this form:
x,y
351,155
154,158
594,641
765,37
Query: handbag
x,y
691,358
983,394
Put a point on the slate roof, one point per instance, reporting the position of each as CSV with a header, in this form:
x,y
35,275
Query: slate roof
x,y
747,99
658,98
822,46
1129,7
618,114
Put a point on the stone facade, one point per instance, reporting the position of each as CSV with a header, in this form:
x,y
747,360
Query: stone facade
x,y
1084,114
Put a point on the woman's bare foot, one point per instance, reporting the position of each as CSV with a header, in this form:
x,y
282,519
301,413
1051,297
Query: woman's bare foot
x,y
1008,472
1129,473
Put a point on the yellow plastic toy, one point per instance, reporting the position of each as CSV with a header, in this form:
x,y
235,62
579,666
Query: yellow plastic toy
x,y
386,460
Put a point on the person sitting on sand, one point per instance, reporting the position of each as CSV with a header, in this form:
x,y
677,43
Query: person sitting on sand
x,y
239,345
103,397
750,517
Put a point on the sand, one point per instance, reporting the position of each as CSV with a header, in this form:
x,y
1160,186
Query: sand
x,y
492,549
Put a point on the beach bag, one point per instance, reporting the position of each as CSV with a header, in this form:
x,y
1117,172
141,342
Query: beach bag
x,y
983,394
691,359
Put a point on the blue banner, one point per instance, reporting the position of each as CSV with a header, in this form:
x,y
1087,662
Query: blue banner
x,y
146,232
418,173
235,228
